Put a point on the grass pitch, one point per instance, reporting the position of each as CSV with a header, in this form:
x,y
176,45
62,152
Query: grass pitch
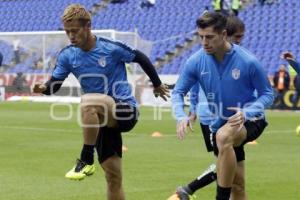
x,y
36,151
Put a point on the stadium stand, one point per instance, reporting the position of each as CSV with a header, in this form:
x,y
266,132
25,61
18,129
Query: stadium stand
x,y
270,29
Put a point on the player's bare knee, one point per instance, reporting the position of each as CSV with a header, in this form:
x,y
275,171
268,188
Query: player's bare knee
x,y
232,129
97,100
104,105
87,110
224,138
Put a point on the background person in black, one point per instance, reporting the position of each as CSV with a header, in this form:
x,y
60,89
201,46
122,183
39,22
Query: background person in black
x,y
281,82
290,58
19,82
1,59
296,96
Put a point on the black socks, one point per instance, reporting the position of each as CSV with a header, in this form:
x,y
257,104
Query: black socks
x,y
223,193
202,181
87,154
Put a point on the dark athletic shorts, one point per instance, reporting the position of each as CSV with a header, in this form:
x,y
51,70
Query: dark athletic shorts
x,y
109,141
254,130
206,136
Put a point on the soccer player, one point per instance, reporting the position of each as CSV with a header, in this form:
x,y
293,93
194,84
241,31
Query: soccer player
x,y
108,103
235,28
228,75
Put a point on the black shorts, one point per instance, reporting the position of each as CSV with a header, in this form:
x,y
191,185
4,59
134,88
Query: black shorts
x,y
206,136
109,141
254,130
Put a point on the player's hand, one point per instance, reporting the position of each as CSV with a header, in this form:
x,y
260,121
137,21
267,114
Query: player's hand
x,y
192,117
287,56
162,91
39,88
238,119
182,128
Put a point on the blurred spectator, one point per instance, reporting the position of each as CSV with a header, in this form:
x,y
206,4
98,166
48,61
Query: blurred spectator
x,y
19,82
118,1
1,59
262,2
38,64
296,97
217,5
227,7
281,84
51,62
290,58
2,68
246,3
147,3
37,60
140,85
16,47
236,6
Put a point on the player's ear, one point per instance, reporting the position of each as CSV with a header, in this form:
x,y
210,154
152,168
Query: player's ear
x,y
88,24
224,34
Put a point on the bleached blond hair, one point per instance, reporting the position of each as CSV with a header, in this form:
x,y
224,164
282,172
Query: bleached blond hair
x,y
76,12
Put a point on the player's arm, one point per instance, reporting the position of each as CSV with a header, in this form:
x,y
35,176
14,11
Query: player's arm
x,y
185,81
60,72
50,87
145,63
289,57
264,92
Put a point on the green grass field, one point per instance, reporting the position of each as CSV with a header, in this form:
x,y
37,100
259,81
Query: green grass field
x,y
36,151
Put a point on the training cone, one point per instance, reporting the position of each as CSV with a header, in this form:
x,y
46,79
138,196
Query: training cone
x,y
156,134
124,148
253,142
173,197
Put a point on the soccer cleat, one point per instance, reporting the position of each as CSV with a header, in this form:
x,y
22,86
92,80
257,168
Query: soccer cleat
x,y
182,194
80,171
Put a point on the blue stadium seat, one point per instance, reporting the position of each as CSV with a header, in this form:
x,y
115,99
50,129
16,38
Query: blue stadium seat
x,y
270,29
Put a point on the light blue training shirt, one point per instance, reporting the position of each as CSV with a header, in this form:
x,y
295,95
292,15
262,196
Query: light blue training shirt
x,y
199,105
100,70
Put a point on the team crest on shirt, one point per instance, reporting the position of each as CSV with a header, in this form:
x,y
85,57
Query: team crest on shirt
x,y
102,61
235,73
